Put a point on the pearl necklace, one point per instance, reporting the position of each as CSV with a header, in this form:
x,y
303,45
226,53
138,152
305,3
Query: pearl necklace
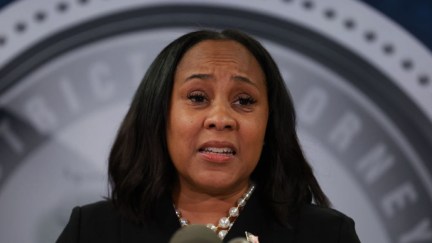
x,y
225,223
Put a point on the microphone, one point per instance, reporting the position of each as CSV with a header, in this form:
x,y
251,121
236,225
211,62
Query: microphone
x,y
195,233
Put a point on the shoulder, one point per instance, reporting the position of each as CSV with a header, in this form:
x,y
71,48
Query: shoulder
x,y
99,215
99,209
326,225
94,222
314,213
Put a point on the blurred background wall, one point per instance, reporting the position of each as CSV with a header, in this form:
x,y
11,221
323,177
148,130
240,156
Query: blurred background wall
x,y
359,72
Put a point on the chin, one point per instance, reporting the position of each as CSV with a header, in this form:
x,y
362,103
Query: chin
x,y
217,185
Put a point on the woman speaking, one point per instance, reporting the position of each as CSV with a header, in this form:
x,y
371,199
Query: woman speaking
x,y
210,139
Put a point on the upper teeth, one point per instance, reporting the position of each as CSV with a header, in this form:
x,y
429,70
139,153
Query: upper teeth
x,y
219,150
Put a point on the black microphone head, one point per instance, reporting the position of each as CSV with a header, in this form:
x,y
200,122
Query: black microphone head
x,y
195,234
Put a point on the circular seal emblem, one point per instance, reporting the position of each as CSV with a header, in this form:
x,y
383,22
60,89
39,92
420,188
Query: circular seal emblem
x,y
361,86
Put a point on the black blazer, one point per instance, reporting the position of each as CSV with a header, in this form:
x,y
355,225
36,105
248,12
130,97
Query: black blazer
x,y
100,222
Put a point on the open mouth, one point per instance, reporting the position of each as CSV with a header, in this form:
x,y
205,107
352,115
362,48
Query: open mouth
x,y
226,150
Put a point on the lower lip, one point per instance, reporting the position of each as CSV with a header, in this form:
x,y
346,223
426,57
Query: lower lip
x,y
216,157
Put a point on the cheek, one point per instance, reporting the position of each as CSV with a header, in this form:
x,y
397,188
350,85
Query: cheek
x,y
182,129
256,127
253,136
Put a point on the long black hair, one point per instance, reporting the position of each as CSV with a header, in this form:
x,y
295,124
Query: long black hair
x,y
140,169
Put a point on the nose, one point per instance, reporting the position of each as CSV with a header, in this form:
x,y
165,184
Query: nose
x,y
220,118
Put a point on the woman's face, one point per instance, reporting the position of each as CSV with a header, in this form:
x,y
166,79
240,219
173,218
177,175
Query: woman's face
x,y
217,117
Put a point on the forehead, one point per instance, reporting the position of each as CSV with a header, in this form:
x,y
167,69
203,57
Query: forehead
x,y
218,52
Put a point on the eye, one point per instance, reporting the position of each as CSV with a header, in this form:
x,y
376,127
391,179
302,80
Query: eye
x,y
245,100
197,97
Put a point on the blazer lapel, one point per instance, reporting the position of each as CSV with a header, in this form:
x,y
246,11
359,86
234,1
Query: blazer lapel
x,y
159,230
256,219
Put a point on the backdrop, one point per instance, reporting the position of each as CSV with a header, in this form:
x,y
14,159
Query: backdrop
x,y
361,84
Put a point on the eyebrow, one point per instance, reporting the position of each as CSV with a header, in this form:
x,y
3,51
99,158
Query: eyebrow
x,y
204,76
199,76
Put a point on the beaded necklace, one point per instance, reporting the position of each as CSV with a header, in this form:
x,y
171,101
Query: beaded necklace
x,y
225,223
